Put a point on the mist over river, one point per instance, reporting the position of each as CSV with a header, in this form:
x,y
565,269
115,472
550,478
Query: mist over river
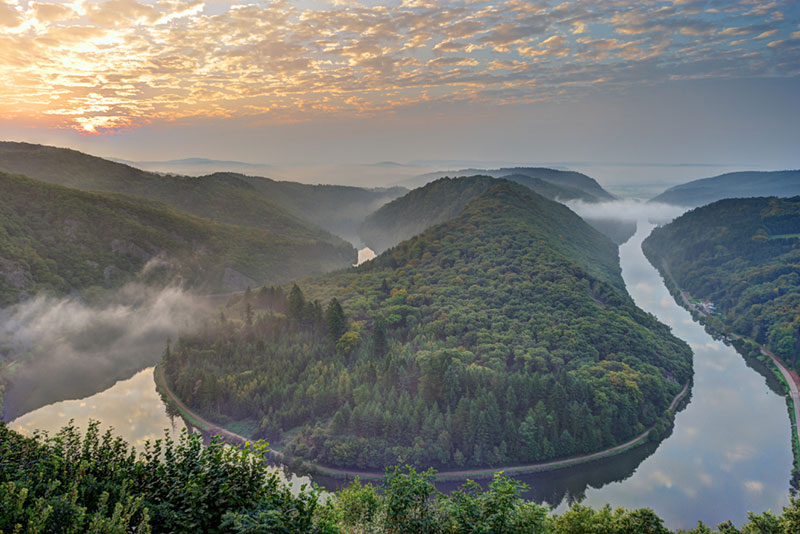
x,y
730,450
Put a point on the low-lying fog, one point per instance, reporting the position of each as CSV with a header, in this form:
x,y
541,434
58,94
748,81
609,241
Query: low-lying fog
x,y
72,349
628,210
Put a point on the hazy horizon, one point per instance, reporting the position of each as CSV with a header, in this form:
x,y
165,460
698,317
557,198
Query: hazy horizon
x,y
305,86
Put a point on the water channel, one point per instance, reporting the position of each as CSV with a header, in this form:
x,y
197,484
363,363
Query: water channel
x,y
730,450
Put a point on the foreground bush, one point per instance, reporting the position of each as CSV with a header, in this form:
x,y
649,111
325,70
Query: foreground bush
x,y
75,484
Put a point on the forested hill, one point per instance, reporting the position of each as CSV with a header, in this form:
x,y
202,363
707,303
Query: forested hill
x,y
498,337
420,209
286,208
55,238
733,185
744,256
570,184
340,209
437,202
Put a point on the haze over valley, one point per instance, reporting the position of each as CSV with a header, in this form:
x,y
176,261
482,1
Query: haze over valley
x,y
400,267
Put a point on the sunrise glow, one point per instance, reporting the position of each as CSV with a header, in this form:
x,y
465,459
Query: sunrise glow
x,y
105,66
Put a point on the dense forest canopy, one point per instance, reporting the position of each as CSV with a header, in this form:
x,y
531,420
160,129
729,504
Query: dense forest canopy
x,y
73,484
733,185
566,185
340,209
56,239
286,208
502,336
420,209
744,256
444,198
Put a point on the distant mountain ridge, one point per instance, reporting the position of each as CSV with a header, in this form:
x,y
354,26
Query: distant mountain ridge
x,y
443,199
190,161
57,239
571,181
287,208
742,184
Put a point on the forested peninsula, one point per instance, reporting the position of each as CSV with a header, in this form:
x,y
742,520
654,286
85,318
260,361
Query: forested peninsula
x,y
501,336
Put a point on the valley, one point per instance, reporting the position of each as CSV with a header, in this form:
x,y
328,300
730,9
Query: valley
x,y
399,267
707,431
495,330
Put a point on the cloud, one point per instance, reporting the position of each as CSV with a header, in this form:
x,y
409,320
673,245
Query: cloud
x,y
72,348
627,210
110,65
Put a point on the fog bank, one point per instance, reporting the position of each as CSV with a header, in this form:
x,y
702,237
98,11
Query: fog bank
x,y
71,349
629,210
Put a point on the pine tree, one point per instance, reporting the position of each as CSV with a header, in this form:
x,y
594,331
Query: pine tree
x,y
297,304
379,343
335,320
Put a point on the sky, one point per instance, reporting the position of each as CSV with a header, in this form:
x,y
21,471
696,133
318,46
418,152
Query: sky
x,y
600,84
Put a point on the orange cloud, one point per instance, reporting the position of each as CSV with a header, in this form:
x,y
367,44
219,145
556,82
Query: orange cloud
x,y
105,65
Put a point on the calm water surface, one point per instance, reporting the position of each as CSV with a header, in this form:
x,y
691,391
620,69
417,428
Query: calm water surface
x,y
133,408
730,451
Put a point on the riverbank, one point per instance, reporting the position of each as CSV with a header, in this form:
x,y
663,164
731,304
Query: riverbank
x,y
210,428
747,347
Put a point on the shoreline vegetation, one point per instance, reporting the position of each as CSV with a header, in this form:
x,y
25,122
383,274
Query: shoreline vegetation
x,y
210,429
76,483
503,337
742,257
747,347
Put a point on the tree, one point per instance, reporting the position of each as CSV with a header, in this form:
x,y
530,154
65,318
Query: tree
x,y
379,343
409,501
248,315
335,321
297,304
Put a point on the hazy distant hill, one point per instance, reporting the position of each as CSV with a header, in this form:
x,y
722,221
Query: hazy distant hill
x,y
287,208
420,209
340,209
55,238
443,199
573,185
501,336
733,185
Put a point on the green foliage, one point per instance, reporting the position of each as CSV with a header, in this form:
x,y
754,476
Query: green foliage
x,y
282,208
334,319
499,510
442,200
55,239
409,502
482,341
358,504
722,252
72,484
420,209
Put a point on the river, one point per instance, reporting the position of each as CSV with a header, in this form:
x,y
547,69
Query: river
x,y
730,450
